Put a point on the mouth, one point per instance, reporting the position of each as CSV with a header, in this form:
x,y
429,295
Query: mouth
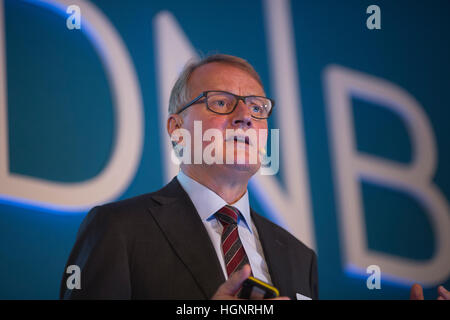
x,y
243,139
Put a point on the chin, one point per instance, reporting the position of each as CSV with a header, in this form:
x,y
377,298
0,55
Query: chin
x,y
247,168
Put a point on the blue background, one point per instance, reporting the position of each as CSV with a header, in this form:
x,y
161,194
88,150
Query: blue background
x,y
60,115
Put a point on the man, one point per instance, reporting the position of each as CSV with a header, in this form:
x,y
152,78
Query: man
x,y
196,238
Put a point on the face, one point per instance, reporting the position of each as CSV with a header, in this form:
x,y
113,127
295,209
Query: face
x,y
224,77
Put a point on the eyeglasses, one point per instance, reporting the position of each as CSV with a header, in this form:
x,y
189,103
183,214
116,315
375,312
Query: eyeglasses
x,y
223,102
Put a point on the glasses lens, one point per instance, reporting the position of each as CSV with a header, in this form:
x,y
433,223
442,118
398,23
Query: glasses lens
x,y
221,102
259,106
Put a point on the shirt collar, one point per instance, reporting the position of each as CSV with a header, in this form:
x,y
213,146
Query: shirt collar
x,y
207,202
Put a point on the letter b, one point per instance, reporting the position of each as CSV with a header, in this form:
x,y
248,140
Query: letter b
x,y
414,179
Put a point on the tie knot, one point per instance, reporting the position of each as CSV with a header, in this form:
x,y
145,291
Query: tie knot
x,y
227,215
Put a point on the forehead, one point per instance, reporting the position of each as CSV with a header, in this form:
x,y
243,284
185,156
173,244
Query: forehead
x,y
223,76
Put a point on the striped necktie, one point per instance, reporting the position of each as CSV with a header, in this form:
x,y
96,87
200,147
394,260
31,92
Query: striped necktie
x,y
233,251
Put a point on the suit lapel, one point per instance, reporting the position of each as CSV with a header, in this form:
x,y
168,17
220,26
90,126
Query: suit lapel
x,y
180,222
275,253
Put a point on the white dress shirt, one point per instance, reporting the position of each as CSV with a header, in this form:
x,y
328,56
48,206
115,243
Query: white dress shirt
x,y
207,203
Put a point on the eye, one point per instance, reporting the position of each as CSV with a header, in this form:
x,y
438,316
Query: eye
x,y
220,103
257,109
258,106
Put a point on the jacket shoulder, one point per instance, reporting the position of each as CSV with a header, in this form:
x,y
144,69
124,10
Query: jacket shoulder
x,y
132,212
136,206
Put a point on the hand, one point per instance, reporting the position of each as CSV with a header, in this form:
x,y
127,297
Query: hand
x,y
417,293
228,289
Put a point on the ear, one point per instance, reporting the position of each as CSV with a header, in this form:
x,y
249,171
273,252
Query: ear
x,y
175,121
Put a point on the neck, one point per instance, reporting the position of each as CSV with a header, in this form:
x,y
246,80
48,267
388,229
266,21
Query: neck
x,y
230,186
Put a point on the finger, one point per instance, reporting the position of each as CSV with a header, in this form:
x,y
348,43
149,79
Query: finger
x,y
443,293
232,285
440,298
280,298
416,292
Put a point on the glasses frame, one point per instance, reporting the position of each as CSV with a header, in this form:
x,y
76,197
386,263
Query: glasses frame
x,y
204,94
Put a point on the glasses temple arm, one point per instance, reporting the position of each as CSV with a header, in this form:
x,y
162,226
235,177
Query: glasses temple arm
x,y
191,103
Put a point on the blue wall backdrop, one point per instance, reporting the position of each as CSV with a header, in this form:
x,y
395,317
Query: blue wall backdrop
x,y
61,124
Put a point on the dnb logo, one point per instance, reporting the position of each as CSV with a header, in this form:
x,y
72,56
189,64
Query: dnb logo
x,y
291,205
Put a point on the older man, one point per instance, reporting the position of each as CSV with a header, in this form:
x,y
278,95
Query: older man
x,y
196,238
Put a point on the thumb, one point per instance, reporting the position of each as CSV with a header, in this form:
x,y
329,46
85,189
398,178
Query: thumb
x,y
416,292
232,285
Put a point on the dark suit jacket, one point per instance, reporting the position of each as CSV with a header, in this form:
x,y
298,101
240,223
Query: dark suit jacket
x,y
155,246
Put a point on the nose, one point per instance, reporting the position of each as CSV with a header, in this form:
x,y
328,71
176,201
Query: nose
x,y
241,116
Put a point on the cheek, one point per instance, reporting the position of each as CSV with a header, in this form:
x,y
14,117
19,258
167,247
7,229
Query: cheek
x,y
262,124
212,127
201,119
215,123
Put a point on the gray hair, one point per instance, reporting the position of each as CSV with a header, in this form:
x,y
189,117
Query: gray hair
x,y
180,93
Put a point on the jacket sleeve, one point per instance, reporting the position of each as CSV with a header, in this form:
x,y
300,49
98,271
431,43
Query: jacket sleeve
x,y
101,253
